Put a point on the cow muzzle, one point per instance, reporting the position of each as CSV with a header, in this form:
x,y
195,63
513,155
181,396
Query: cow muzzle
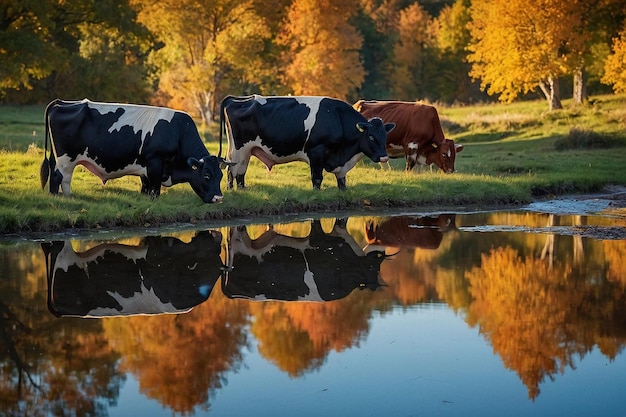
x,y
216,199
384,159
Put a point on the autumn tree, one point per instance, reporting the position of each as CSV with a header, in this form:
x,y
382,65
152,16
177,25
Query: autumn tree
x,y
322,49
208,47
615,65
518,46
413,53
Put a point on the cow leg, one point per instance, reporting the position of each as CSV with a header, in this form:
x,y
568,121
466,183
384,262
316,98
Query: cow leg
x,y
62,175
56,179
341,183
410,161
230,179
240,181
151,183
317,177
237,173
145,185
148,189
55,176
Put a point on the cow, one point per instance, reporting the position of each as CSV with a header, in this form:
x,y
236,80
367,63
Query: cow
x,y
317,268
326,133
160,275
418,136
408,232
160,145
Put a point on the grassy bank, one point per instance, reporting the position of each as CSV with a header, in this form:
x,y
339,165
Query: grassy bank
x,y
513,153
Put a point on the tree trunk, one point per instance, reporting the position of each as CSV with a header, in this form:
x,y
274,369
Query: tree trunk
x,y
203,104
551,91
580,87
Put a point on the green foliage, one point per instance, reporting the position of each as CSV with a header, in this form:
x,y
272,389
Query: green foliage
x,y
75,49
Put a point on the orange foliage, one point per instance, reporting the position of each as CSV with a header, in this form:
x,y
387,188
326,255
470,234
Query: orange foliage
x,y
179,359
297,336
519,306
322,48
615,254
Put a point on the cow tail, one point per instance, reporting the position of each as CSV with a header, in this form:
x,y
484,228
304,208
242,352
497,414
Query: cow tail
x,y
222,124
44,171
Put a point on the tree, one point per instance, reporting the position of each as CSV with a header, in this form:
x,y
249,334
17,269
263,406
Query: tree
x,y
322,50
76,49
602,21
414,52
375,21
452,38
23,51
615,65
518,46
198,63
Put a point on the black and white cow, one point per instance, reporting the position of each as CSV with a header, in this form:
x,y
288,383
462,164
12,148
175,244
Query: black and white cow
x,y
320,267
326,133
160,145
160,275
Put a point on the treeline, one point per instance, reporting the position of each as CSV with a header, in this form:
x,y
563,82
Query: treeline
x,y
188,54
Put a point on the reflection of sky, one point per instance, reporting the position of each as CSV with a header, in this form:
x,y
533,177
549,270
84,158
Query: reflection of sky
x,y
421,361
132,403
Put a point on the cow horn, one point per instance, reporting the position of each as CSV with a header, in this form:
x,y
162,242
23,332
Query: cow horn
x,y
434,145
360,127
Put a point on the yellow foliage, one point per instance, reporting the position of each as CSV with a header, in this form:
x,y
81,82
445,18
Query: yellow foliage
x,y
615,65
519,44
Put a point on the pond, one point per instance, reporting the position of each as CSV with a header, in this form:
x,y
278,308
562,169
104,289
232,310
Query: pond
x,y
487,313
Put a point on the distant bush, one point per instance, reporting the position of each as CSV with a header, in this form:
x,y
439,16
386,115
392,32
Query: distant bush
x,y
587,139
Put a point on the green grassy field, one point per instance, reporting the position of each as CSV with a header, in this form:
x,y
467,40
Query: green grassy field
x,y
513,154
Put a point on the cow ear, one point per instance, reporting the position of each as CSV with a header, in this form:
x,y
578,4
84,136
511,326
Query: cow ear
x,y
194,163
389,127
458,148
361,126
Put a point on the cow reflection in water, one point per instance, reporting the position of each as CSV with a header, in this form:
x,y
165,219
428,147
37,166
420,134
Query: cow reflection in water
x,y
408,232
161,275
319,267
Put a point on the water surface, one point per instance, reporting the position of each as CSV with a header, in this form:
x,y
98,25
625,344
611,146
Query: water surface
x,y
487,313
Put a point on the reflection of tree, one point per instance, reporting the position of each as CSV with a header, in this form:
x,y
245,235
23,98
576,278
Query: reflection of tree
x,y
520,307
48,365
615,254
297,336
181,359
539,317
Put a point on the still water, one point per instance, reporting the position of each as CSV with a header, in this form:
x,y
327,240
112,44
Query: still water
x,y
518,313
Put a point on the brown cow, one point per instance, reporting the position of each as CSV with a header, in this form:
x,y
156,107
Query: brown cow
x,y
418,135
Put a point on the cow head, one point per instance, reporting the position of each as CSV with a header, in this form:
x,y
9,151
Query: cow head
x,y
444,155
206,178
376,138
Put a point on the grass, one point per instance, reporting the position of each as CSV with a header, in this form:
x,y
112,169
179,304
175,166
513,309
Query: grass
x,y
513,154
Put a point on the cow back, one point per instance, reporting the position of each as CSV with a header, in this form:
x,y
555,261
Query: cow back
x,y
415,122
